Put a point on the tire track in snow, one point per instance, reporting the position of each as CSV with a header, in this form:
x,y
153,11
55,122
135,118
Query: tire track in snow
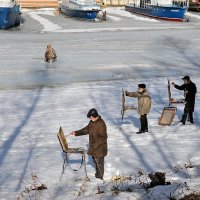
x,y
48,25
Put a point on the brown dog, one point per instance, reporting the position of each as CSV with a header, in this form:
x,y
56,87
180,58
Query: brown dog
x,y
50,54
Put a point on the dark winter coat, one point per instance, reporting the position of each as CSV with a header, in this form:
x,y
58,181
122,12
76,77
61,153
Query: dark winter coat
x,y
144,101
190,92
97,137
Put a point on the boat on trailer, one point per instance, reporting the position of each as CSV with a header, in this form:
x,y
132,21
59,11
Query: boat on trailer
x,y
86,9
173,10
9,14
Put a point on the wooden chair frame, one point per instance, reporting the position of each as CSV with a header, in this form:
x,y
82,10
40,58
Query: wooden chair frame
x,y
167,116
126,107
67,151
172,100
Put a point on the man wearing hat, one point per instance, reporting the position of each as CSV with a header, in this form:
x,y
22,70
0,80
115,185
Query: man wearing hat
x,y
97,140
144,105
189,92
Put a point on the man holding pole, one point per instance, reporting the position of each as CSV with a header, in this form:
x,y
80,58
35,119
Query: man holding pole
x,y
97,140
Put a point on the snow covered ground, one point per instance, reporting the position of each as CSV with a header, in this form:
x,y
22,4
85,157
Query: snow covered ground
x,y
30,120
91,70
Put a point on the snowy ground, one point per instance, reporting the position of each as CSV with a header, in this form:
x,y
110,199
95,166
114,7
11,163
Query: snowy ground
x,y
30,120
36,99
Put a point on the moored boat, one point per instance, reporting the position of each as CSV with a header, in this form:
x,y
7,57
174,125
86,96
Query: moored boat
x,y
194,5
162,9
86,9
9,14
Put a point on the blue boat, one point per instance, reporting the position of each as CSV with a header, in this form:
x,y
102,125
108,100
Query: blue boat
x,y
9,14
86,9
163,9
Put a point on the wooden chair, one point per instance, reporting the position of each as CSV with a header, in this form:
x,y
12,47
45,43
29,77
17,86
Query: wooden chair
x,y
172,100
126,107
169,112
167,116
67,151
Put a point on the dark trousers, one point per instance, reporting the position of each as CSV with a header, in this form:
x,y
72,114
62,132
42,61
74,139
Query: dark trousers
x,y
143,122
99,163
185,115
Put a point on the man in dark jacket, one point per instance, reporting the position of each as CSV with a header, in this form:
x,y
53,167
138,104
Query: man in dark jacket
x,y
97,140
189,92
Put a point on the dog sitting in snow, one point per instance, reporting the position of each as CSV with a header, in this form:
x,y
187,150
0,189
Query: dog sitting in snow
x,y
50,54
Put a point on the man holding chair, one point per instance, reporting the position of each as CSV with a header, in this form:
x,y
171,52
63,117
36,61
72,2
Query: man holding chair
x,y
144,105
189,92
97,131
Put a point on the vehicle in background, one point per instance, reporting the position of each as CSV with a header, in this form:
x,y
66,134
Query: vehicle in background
x,y
194,5
87,9
163,9
9,14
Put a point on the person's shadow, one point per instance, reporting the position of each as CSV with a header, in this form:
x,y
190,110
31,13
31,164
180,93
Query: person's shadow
x,y
128,119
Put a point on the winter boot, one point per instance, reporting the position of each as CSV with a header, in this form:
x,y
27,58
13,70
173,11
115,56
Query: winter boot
x,y
140,131
184,117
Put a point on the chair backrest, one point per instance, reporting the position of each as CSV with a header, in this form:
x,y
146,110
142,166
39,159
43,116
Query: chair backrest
x,y
62,139
169,92
123,100
172,100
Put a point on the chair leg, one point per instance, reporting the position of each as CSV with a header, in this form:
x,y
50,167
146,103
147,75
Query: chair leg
x,y
122,113
65,162
84,162
63,168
